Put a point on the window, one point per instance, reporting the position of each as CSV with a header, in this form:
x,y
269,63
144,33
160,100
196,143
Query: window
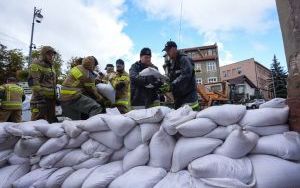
x,y
228,73
197,67
224,73
239,70
212,79
199,80
241,89
211,66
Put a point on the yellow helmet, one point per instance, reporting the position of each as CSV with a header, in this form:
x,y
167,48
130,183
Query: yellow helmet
x,y
89,63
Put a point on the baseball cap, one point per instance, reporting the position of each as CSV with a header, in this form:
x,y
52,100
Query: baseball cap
x,y
145,51
169,45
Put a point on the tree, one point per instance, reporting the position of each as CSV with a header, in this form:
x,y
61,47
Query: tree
x,y
278,79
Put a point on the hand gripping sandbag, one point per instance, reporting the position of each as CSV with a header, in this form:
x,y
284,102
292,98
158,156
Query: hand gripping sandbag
x,y
136,157
107,91
196,127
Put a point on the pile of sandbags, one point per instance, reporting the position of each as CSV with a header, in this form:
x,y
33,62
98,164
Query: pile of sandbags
x,y
156,147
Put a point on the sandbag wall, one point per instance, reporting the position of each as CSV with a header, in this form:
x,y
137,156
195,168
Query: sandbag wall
x,y
221,146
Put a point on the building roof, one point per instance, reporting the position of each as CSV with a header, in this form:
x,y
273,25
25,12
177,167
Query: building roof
x,y
240,80
248,60
200,48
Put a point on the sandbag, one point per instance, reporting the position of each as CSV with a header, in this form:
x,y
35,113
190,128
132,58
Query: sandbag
x,y
53,145
71,128
72,158
77,141
25,128
109,139
275,172
225,183
218,166
119,154
189,149
10,174
161,150
274,103
136,157
149,115
17,160
141,177
95,149
181,179
148,130
92,162
94,124
113,111
58,177
108,91
119,124
150,71
268,130
196,127
133,138
265,117
4,156
227,114
221,132
3,133
76,179
53,130
50,160
30,178
177,117
103,175
285,146
26,147
238,144
9,143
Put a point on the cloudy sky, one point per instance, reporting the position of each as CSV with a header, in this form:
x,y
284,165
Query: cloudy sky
x,y
112,29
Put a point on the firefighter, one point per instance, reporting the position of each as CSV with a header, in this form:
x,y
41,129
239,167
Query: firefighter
x,y
42,80
121,83
144,89
110,73
79,94
181,73
11,96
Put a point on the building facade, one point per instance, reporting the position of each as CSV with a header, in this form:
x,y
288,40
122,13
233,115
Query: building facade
x,y
259,75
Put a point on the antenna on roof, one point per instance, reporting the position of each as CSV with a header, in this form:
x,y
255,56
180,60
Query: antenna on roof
x,y
179,35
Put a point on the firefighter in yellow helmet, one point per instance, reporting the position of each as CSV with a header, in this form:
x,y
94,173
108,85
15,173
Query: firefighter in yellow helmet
x,y
42,80
78,94
11,96
121,83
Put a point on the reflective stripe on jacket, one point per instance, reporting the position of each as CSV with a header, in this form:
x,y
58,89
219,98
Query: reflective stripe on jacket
x,y
13,97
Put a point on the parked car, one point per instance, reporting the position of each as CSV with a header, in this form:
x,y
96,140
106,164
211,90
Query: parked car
x,y
255,103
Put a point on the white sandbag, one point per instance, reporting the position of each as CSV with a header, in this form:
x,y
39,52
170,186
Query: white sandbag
x,y
265,117
286,145
103,175
221,132
141,177
3,133
72,158
225,183
119,154
136,157
50,160
94,124
177,117
58,177
133,138
148,130
9,143
53,130
119,124
149,115
25,128
108,138
274,103
196,127
238,144
268,130
9,174
189,149
227,114
164,109
77,141
89,147
108,91
17,160
53,145
76,179
34,167
90,163
219,166
181,179
26,147
161,150
113,111
150,71
71,128
30,178
275,172
4,156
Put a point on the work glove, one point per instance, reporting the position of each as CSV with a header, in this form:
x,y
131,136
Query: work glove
x,y
121,85
151,79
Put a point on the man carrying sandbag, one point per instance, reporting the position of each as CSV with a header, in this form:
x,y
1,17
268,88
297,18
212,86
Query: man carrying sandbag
x,y
144,89
121,83
181,73
78,94
11,96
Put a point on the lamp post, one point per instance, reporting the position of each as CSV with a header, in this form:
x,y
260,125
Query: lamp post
x,y
37,16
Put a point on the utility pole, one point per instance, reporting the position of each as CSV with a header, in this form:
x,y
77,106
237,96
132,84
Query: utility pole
x,y
289,18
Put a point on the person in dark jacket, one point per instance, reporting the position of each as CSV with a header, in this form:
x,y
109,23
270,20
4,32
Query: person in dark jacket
x,y
181,73
144,89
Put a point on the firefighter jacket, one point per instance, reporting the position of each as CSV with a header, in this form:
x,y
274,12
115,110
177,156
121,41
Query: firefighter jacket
x,y
13,97
79,81
121,83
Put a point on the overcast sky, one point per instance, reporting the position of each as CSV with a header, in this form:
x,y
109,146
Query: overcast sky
x,y
112,29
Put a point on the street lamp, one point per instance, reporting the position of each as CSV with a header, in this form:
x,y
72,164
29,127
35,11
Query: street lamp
x,y
37,16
